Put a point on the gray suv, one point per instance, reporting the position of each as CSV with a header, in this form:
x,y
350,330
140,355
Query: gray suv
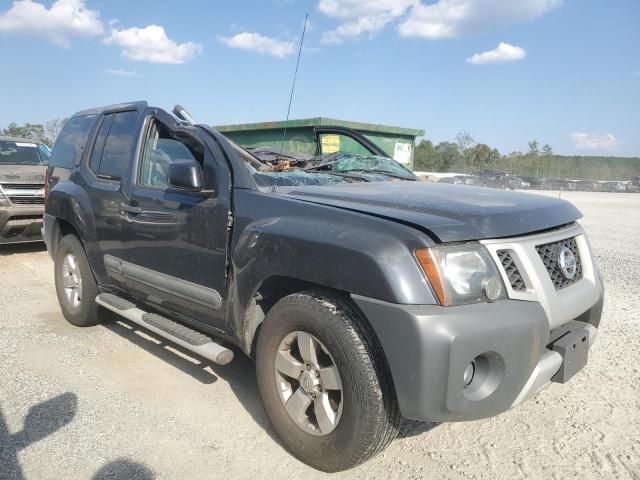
x,y
23,164
362,293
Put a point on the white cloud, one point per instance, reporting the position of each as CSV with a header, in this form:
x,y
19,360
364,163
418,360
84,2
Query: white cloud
x,y
360,8
457,18
151,44
361,16
504,52
119,72
593,141
369,24
259,43
65,18
432,20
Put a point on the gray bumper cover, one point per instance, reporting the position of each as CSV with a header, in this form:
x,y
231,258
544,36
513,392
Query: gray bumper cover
x,y
20,224
428,348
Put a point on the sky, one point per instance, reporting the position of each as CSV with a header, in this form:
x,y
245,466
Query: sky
x,y
564,72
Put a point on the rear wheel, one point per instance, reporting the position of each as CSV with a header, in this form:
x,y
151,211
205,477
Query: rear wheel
x,y
324,382
75,286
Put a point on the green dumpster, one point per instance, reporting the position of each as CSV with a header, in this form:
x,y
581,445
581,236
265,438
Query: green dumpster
x,y
397,142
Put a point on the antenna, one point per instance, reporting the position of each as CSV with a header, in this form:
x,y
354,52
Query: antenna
x,y
293,85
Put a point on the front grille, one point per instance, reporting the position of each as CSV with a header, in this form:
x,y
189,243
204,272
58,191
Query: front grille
x,y
549,256
26,218
23,193
27,200
511,269
22,186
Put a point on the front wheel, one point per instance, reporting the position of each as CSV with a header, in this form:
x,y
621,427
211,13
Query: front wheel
x,y
324,382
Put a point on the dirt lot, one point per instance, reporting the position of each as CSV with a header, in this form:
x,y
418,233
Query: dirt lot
x,y
113,402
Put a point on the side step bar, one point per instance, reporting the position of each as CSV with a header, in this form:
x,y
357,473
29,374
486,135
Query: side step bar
x,y
176,332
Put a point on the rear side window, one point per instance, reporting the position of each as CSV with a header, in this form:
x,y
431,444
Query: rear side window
x,y
98,146
71,141
116,148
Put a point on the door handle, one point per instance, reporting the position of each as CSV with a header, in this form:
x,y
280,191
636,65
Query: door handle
x,y
124,209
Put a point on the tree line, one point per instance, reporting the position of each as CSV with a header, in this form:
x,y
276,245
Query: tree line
x,y
45,133
466,155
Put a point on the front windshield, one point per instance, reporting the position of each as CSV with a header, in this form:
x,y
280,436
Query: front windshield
x,y
23,153
353,162
271,167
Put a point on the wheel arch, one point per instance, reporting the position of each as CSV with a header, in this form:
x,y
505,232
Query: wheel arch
x,y
277,287
60,229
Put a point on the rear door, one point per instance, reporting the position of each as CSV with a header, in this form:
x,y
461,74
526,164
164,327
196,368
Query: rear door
x,y
175,241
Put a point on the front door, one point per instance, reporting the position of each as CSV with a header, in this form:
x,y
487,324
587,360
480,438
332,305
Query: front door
x,y
175,241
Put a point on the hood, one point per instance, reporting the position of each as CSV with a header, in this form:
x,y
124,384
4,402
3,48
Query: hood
x,y
452,213
22,173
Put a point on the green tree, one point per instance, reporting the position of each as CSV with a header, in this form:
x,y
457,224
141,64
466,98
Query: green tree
x,y
32,131
480,156
534,148
452,160
547,151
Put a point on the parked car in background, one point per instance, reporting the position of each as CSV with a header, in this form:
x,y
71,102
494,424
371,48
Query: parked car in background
x,y
499,179
556,184
586,185
455,180
533,183
23,163
612,187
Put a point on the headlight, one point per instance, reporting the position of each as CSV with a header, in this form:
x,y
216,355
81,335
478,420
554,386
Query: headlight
x,y
461,274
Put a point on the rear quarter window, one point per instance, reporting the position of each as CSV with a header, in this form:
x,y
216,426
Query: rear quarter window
x,y
71,141
115,145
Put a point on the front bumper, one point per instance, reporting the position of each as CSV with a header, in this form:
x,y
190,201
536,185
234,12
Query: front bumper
x,y
20,224
428,349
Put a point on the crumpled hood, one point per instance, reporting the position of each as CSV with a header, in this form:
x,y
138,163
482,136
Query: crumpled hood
x,y
452,213
22,173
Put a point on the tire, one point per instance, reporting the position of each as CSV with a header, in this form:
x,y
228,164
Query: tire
x,y
85,312
367,417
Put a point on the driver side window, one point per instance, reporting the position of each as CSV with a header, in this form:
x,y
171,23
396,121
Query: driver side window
x,y
160,149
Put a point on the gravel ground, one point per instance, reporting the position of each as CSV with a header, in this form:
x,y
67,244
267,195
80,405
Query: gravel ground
x,y
113,402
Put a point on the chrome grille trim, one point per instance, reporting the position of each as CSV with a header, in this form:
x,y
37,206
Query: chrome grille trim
x,y
549,255
23,193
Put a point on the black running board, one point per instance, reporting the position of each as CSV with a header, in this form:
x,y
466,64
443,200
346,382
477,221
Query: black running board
x,y
176,332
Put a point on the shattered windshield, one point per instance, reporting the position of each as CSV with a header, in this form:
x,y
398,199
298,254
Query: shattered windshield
x,y
271,167
370,164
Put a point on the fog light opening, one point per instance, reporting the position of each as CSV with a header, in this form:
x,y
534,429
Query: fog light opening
x,y
483,376
469,373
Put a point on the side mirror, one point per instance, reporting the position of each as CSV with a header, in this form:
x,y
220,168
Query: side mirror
x,y
186,174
